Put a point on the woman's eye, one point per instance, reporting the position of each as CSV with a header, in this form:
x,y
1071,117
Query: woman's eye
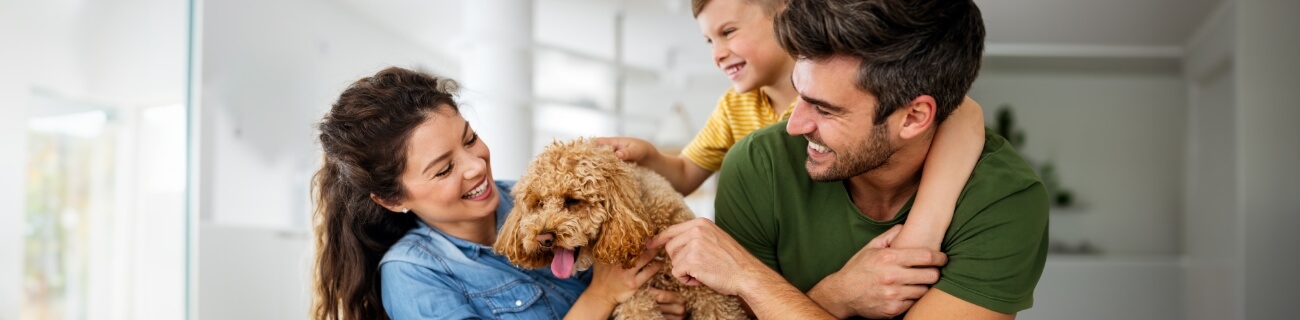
x,y
472,139
444,171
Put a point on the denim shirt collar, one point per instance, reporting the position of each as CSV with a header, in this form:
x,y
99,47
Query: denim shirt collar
x,y
471,249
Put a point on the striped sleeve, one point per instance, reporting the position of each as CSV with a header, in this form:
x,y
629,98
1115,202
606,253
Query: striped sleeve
x,y
737,114
712,142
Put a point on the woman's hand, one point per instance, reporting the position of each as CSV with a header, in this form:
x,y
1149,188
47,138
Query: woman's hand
x,y
670,304
615,285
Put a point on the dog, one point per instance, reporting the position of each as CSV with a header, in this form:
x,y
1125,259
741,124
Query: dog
x,y
578,204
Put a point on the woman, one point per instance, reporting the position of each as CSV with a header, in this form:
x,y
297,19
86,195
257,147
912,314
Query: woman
x,y
407,211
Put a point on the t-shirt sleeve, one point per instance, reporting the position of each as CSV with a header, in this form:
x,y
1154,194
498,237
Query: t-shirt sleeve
x,y
710,145
745,202
996,258
410,291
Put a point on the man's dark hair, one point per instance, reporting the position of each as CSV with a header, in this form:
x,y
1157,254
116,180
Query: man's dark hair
x,y
908,48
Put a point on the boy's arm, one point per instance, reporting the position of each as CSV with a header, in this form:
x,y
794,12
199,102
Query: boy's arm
x,y
956,147
684,175
1000,256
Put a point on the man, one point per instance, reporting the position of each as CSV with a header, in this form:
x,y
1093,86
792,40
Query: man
x,y
875,78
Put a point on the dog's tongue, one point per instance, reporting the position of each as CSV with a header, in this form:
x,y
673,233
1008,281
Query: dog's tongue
x,y
562,266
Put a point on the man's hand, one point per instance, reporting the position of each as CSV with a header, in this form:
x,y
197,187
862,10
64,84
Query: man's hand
x,y
879,282
703,254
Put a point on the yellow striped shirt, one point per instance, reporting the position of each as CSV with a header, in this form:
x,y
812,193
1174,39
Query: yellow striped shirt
x,y
736,116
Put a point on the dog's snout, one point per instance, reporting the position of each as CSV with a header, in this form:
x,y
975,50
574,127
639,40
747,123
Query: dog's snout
x,y
546,239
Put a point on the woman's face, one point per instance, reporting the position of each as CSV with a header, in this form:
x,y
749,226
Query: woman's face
x,y
448,174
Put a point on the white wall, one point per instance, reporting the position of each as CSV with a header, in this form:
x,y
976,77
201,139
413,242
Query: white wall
x,y
1242,162
1115,136
649,101
1267,76
253,273
269,72
1074,287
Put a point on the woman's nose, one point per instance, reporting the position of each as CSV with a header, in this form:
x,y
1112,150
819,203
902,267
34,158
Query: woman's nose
x,y
475,169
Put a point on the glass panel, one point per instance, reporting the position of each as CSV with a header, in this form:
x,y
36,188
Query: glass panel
x,y
94,98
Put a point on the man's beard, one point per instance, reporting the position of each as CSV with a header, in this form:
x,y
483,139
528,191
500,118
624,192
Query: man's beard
x,y
857,159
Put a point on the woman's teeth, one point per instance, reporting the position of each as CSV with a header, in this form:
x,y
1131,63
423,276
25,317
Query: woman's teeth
x,y
476,192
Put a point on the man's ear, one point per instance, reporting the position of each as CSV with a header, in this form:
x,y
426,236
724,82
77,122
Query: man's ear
x,y
918,117
390,205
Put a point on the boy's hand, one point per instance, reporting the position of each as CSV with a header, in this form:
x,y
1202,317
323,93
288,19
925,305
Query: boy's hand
x,y
628,149
879,281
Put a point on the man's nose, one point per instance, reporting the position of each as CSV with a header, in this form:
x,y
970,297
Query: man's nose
x,y
799,123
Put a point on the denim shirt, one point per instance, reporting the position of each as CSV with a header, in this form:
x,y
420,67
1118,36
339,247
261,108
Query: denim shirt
x,y
431,275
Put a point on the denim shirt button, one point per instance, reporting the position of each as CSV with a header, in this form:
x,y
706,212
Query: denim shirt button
x,y
519,303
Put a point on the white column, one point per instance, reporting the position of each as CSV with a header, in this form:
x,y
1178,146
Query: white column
x,y
1212,221
13,166
497,80
14,92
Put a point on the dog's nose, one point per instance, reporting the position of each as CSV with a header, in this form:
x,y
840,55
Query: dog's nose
x,y
546,239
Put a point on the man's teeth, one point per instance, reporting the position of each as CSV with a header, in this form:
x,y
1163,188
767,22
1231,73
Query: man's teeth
x,y
818,147
476,192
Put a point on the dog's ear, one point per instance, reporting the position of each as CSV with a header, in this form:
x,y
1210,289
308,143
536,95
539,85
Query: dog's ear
x,y
625,232
515,244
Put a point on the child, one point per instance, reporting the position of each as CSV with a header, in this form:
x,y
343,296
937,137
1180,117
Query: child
x,y
745,49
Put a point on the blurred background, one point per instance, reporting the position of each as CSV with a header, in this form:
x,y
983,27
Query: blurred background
x,y
157,153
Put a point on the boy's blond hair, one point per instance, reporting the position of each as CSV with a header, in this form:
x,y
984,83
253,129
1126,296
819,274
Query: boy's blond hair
x,y
769,6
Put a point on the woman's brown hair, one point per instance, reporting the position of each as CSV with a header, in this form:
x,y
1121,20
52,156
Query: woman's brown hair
x,y
363,138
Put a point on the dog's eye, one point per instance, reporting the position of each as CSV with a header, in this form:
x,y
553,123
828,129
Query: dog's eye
x,y
569,202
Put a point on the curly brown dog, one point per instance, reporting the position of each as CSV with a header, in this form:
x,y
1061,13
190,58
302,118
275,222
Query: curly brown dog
x,y
579,204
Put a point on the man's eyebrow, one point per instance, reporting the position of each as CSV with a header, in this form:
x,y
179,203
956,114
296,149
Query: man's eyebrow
x,y
826,106
444,156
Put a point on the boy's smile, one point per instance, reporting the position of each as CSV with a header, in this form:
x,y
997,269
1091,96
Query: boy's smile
x,y
744,47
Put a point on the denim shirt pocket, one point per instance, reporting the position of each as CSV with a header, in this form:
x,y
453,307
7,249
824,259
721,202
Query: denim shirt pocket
x,y
516,300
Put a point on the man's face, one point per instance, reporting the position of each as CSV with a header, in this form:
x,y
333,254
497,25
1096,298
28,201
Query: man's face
x,y
836,118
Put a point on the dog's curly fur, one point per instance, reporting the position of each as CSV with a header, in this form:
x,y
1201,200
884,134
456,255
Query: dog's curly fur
x,y
604,210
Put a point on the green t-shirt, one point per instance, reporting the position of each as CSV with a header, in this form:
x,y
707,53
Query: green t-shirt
x,y
806,230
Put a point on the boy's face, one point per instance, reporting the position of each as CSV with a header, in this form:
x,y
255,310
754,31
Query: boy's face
x,y
744,47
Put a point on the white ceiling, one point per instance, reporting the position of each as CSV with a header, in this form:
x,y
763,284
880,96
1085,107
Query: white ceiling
x,y
662,32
